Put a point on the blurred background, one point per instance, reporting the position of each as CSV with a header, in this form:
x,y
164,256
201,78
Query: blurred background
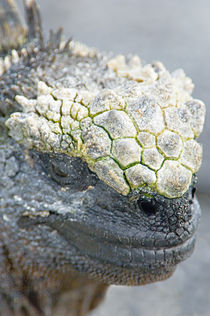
x,y
178,34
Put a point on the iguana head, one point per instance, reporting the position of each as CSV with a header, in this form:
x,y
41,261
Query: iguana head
x,y
114,150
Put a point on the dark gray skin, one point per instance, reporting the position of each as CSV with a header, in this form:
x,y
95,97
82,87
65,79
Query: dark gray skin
x,y
65,234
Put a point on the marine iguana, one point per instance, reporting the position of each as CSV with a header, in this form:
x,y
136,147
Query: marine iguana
x,y
97,170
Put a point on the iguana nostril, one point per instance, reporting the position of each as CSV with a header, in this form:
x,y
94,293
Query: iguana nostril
x,y
147,207
193,192
58,172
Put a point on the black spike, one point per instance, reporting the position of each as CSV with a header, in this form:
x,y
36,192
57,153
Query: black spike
x,y
33,19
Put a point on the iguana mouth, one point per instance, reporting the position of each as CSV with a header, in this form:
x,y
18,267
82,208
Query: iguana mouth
x,y
134,251
124,258
124,254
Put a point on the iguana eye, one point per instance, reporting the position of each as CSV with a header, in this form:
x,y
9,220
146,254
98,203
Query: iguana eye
x,y
147,207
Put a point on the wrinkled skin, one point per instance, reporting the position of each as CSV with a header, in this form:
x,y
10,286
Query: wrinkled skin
x,y
65,234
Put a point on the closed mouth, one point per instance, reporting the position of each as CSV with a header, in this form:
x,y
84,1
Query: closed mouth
x,y
122,259
134,257
136,264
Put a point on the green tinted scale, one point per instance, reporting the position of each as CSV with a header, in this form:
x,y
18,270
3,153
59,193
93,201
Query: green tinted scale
x,y
139,133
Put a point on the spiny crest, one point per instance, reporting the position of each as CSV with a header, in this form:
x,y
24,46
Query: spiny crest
x,y
18,42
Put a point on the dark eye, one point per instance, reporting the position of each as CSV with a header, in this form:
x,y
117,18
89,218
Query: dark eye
x,y
147,207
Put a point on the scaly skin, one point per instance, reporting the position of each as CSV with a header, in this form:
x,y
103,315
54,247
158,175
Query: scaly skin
x,y
96,174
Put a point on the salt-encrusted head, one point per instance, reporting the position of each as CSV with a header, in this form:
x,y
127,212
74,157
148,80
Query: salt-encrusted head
x,y
139,133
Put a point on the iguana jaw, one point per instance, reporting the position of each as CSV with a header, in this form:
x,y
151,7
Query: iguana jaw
x,y
121,256
128,261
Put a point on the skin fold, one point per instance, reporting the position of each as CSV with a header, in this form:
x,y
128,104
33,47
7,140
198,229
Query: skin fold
x,y
66,232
